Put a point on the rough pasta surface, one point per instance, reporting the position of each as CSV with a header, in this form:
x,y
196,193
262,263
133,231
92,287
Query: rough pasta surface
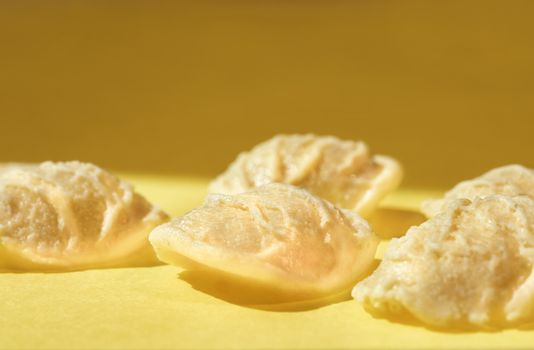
x,y
510,180
469,265
70,215
342,172
276,234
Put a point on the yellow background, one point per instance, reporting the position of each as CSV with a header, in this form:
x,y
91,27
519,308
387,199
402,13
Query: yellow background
x,y
181,87
178,88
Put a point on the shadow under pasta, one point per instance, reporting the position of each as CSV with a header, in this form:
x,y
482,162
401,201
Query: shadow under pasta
x,y
394,222
253,294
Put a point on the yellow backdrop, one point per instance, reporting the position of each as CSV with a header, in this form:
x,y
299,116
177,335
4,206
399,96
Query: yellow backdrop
x,y
183,86
180,87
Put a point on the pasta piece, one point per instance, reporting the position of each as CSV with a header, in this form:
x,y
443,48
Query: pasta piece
x,y
342,172
71,215
471,265
277,235
510,180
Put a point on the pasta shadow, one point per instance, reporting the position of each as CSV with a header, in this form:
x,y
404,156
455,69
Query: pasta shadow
x,y
236,290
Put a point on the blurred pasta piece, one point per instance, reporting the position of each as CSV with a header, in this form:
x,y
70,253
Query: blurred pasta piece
x,y
342,172
510,180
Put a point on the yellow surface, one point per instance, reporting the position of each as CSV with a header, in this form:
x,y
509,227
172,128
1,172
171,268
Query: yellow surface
x,y
158,308
182,86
